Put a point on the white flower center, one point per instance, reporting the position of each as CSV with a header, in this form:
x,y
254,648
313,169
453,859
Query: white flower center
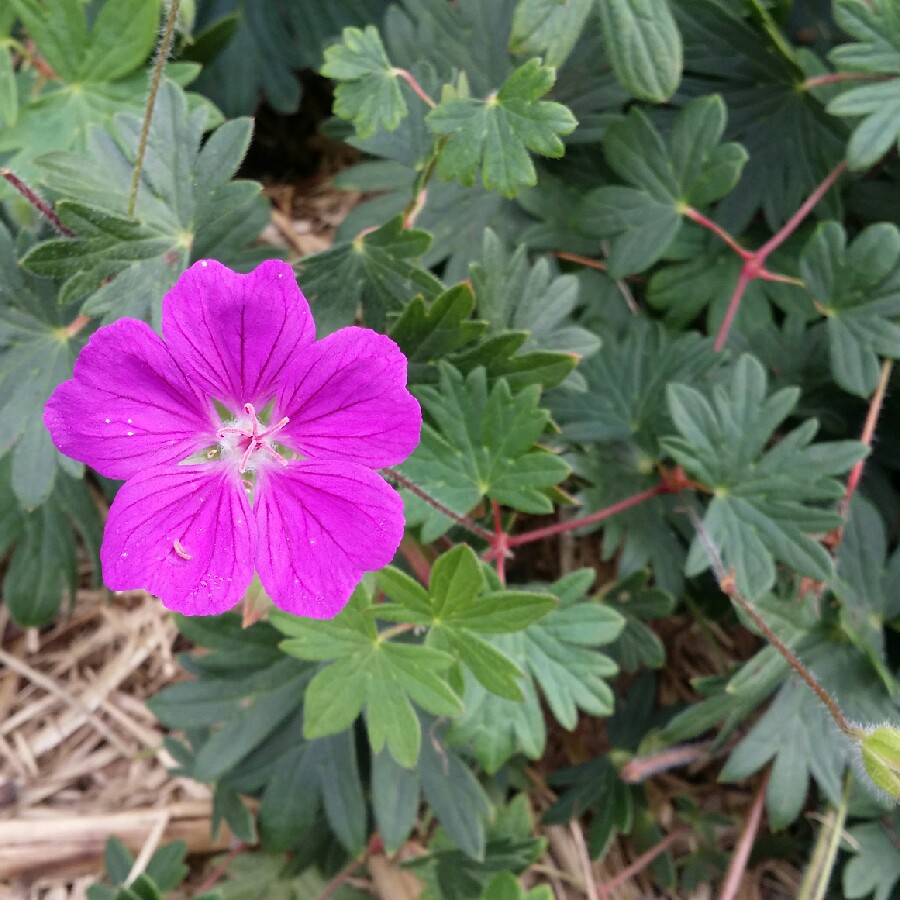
x,y
249,441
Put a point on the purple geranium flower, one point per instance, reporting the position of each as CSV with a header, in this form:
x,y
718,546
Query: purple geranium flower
x,y
246,445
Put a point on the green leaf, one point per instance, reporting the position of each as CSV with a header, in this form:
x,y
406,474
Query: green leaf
x,y
857,287
558,656
692,168
450,873
372,673
367,92
875,864
121,39
810,747
638,645
265,42
457,612
513,295
880,752
792,144
395,800
457,798
187,208
494,135
619,431
644,46
766,503
549,28
166,867
482,447
44,567
374,271
117,860
307,777
876,26
445,332
99,75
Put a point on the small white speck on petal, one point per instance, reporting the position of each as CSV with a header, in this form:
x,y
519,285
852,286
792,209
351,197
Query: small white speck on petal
x,y
130,433
203,263
107,421
128,421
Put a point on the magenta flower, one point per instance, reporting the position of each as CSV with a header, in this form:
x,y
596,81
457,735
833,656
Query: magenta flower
x,y
246,445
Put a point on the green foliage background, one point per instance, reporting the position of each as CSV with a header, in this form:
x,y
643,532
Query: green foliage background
x,y
568,205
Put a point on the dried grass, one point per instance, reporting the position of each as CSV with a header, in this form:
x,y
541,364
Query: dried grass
x,y
81,757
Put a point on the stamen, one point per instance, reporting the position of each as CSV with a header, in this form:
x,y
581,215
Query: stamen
x,y
178,547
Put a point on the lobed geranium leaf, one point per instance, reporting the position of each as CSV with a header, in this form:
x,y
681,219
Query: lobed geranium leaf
x,y
493,136
367,92
265,43
559,657
479,443
513,295
791,142
876,27
766,504
374,271
874,869
187,208
638,645
368,672
644,46
857,288
549,28
457,611
618,436
99,76
809,748
43,568
449,872
691,168
37,352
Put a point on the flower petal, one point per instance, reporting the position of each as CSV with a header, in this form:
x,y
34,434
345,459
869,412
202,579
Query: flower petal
x,y
128,406
183,533
346,399
322,525
236,333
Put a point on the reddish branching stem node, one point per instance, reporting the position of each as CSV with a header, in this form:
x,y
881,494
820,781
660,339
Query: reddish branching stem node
x,y
755,261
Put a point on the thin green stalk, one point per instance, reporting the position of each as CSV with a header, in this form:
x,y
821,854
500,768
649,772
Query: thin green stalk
x,y
159,64
818,873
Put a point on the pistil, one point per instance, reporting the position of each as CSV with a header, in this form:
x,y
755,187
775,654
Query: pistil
x,y
254,439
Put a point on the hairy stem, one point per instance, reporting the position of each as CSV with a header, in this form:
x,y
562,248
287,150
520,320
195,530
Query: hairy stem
x,y
729,588
159,64
464,521
37,202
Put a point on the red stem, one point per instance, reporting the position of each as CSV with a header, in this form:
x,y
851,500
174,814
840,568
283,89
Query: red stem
x,y
717,230
417,560
500,542
561,527
417,88
37,202
802,212
640,863
868,433
754,264
738,864
837,77
733,305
